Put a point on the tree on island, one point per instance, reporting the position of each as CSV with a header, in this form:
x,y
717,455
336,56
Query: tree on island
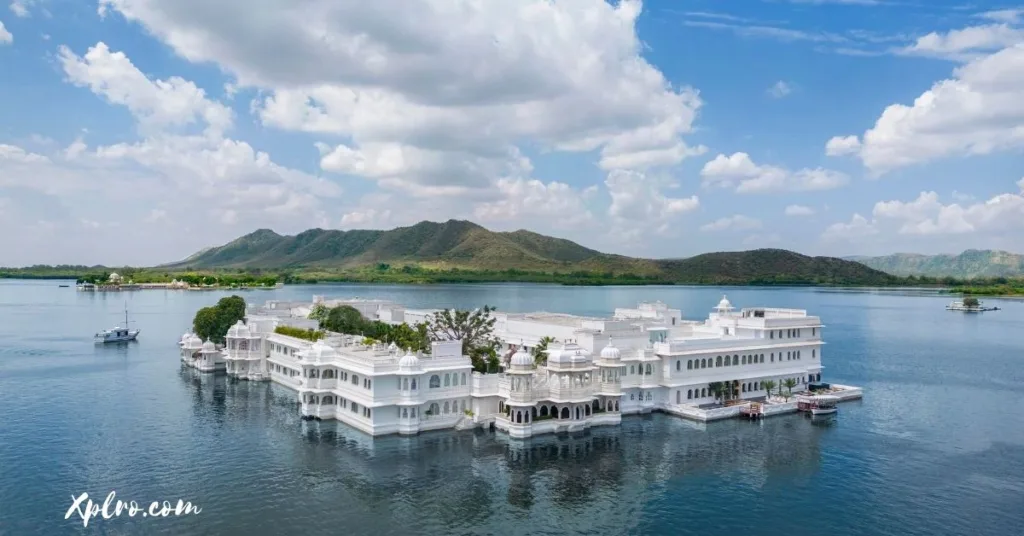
x,y
476,331
971,302
212,323
539,352
345,319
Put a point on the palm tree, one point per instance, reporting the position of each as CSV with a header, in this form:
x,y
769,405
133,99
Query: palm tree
x,y
540,356
768,386
790,383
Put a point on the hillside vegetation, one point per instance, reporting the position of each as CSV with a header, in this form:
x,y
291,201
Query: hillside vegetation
x,y
464,251
969,264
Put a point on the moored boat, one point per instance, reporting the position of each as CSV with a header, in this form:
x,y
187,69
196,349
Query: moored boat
x,y
818,404
118,334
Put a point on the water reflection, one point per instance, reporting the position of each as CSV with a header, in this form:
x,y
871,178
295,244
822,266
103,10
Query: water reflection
x,y
603,466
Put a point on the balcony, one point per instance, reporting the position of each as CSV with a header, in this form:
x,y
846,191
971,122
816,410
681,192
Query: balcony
x,y
610,388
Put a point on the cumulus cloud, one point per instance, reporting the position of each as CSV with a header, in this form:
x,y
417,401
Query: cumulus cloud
x,y
5,36
555,203
156,103
737,222
437,99
978,111
799,210
740,172
1000,216
1004,15
966,43
842,145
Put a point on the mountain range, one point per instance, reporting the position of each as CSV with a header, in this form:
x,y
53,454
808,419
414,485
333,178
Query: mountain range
x,y
969,264
466,245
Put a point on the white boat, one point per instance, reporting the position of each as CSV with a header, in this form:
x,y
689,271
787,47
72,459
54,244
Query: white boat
x,y
118,334
960,306
818,404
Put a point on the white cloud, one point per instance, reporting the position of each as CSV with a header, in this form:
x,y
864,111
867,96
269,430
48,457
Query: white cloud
x,y
1004,15
779,89
17,154
842,145
799,210
1000,217
1020,184
157,103
20,7
966,43
556,204
739,171
737,222
859,227
5,36
978,111
436,100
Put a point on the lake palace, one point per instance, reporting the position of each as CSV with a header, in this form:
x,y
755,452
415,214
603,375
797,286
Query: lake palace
x,y
638,360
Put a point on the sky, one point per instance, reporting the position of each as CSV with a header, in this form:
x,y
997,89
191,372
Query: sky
x,y
140,131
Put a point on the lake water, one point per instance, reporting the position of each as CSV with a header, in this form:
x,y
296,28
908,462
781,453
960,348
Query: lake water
x,y
935,447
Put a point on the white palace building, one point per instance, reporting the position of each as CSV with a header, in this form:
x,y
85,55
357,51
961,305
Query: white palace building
x,y
637,361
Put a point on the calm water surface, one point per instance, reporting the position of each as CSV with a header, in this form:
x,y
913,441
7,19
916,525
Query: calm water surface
x,y
936,446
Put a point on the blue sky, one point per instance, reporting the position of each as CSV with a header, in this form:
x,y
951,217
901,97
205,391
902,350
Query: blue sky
x,y
139,131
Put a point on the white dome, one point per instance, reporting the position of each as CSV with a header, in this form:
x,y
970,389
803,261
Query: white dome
x,y
569,353
724,305
193,342
319,351
610,351
239,331
522,358
409,362
208,346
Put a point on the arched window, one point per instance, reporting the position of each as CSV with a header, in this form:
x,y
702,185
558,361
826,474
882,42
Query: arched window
x,y
773,357
771,334
414,384
649,396
718,361
355,379
446,406
565,413
631,395
435,381
679,365
689,364
703,363
632,370
405,413
762,358
405,384
735,360
463,378
689,394
647,369
703,392
543,411
447,381
814,353
679,397
743,360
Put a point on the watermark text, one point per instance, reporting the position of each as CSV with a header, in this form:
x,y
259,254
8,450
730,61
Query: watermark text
x,y
87,509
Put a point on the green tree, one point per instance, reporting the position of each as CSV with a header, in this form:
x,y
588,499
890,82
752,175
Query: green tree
x,y
345,319
540,356
717,389
319,313
474,328
768,386
790,383
971,302
206,324
212,323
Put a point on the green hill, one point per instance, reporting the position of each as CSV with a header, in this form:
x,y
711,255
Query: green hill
x,y
969,264
467,246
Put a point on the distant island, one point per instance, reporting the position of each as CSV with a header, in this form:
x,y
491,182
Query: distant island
x,y
458,251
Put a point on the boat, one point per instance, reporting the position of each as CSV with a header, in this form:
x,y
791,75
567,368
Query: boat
x,y
118,334
960,306
63,286
818,404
